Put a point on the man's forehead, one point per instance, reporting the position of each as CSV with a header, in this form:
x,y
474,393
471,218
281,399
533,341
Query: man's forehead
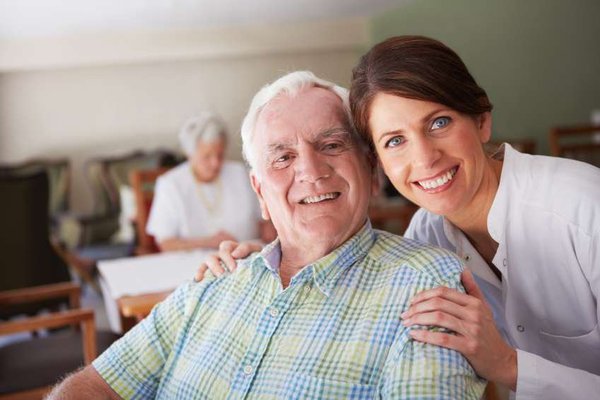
x,y
308,98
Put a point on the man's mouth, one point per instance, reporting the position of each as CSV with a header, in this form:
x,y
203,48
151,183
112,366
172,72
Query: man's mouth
x,y
441,180
320,198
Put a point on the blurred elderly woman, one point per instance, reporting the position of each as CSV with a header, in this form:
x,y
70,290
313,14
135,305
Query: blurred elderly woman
x,y
206,199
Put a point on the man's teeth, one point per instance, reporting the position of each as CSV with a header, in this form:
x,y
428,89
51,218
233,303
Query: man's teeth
x,y
439,181
317,199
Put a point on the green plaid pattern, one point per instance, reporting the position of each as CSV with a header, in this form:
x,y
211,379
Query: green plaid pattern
x,y
334,333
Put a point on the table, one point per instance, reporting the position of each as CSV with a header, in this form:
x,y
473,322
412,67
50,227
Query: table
x,y
131,286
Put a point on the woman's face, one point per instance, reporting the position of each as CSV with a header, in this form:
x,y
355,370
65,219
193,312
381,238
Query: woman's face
x,y
432,154
208,159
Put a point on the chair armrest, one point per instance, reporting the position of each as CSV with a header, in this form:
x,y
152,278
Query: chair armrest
x,y
43,292
85,317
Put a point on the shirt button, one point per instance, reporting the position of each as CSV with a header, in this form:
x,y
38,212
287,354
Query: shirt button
x,y
306,289
274,312
467,257
248,369
504,262
520,328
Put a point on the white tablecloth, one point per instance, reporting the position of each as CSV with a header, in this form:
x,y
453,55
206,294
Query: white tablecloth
x,y
145,274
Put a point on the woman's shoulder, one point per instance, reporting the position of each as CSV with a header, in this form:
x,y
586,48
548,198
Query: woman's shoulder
x,y
179,175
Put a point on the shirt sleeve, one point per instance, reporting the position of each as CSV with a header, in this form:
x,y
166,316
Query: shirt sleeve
x,y
540,379
163,220
416,370
133,365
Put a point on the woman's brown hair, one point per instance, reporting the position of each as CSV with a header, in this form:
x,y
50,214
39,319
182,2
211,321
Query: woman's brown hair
x,y
414,67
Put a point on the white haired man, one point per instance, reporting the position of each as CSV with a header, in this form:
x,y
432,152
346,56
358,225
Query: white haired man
x,y
314,315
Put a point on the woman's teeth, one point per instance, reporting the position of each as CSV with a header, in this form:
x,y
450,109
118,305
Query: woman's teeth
x,y
439,181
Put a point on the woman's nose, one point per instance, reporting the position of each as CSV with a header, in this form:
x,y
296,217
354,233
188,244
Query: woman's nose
x,y
425,153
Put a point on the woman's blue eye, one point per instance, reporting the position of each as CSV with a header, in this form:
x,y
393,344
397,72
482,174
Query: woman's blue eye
x,y
395,141
440,122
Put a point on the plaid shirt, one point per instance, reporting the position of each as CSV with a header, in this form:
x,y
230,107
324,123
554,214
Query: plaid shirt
x,y
333,333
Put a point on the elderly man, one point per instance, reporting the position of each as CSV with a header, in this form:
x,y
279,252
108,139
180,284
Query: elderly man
x,y
314,315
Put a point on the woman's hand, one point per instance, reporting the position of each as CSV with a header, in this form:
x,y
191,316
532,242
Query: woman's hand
x,y
224,260
476,335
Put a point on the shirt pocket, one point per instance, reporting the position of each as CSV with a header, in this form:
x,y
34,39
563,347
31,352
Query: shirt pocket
x,y
581,351
312,387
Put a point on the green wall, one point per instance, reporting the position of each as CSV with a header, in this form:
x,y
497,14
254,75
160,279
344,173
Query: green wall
x,y
539,60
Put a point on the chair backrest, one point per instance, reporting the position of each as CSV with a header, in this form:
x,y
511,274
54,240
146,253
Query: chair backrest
x,y
59,178
27,256
142,183
106,174
577,142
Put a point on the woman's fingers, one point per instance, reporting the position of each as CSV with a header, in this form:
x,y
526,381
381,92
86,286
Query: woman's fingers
x,y
200,272
438,304
445,293
226,249
213,262
440,319
470,285
442,339
244,249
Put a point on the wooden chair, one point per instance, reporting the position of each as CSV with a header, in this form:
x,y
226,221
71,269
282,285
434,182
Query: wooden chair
x,y
142,183
29,368
577,142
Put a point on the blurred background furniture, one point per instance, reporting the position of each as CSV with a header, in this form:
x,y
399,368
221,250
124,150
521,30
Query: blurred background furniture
x,y
577,142
28,258
92,236
131,286
142,183
29,368
59,179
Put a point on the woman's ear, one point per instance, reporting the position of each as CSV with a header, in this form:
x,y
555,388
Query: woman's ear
x,y
484,126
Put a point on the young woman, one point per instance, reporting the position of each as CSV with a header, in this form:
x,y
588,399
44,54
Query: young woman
x,y
528,227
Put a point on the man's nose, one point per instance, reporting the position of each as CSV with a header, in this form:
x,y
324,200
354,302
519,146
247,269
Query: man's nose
x,y
425,153
312,166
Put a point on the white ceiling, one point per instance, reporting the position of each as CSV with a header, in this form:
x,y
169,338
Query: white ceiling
x,y
42,18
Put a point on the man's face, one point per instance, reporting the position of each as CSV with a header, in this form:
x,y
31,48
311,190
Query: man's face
x,y
312,179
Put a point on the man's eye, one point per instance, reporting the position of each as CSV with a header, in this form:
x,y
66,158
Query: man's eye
x,y
332,146
440,122
394,142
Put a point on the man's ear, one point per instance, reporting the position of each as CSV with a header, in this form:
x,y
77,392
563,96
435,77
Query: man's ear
x,y
484,125
255,181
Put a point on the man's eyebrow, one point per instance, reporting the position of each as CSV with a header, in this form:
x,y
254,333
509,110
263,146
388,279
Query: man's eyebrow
x,y
276,147
339,131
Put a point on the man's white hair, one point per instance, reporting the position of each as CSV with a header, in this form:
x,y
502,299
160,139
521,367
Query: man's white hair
x,y
289,85
206,127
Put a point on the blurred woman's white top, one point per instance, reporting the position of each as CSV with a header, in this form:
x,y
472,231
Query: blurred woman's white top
x,y
546,220
185,208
